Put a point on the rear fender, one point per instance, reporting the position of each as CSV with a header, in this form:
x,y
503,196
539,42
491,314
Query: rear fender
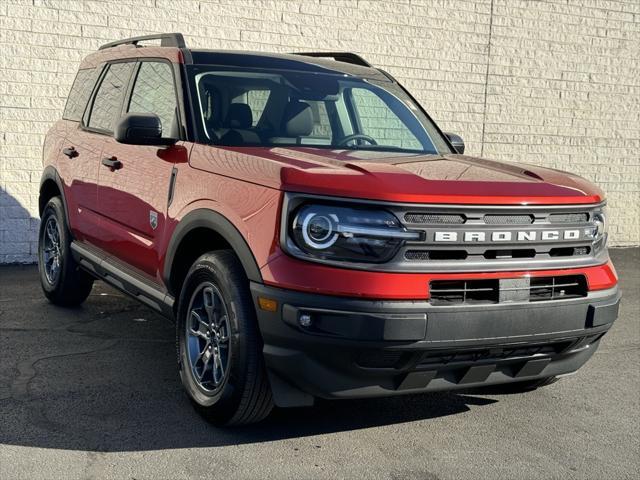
x,y
50,174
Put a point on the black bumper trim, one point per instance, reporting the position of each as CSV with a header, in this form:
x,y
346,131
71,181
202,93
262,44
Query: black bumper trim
x,y
465,346
361,325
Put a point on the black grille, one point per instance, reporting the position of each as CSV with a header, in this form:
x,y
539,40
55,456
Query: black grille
x,y
569,251
508,219
434,218
445,292
557,288
582,217
513,253
449,292
421,255
492,219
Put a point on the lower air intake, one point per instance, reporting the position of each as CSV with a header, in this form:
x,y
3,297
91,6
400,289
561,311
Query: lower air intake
x,y
452,292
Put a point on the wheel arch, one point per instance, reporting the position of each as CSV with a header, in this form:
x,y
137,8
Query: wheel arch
x,y
51,186
199,231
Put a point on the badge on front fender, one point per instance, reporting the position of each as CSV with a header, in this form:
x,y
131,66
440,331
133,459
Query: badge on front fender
x,y
153,219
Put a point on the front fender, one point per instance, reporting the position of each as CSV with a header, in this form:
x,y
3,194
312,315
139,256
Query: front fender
x,y
207,218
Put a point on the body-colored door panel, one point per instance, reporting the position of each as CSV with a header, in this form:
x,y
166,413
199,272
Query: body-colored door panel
x,y
133,200
81,171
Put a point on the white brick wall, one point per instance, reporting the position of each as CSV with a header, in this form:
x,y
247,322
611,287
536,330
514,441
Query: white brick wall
x,y
553,83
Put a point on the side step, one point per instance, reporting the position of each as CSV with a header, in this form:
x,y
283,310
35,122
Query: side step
x,y
124,280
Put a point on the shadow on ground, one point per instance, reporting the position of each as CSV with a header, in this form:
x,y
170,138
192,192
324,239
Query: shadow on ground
x,y
103,378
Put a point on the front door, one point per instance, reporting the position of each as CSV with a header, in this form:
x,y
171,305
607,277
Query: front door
x,y
133,198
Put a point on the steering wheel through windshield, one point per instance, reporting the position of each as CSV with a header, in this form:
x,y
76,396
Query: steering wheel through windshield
x,y
356,136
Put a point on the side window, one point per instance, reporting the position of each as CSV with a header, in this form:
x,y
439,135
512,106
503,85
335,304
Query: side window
x,y
380,122
154,92
79,94
321,123
107,104
257,101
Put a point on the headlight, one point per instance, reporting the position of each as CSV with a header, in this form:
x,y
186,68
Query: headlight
x,y
599,231
330,232
600,219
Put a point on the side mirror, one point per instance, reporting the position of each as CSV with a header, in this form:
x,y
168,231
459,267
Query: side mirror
x,y
141,129
456,141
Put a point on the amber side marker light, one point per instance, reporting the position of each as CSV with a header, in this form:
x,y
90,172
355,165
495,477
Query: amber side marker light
x,y
267,304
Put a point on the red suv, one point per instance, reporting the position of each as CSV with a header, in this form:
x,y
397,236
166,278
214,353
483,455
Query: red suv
x,y
312,231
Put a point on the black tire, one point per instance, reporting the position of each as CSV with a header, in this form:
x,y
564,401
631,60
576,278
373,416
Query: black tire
x,y
70,286
243,394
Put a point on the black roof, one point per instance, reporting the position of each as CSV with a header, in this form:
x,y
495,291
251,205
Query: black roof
x,y
285,61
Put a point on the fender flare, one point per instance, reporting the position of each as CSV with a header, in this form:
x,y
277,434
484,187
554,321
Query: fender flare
x,y
51,174
205,218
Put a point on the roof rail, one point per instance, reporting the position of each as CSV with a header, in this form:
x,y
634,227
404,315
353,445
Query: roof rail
x,y
166,40
346,57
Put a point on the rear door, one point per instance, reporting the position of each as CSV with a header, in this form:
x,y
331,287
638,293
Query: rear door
x,y
133,199
79,158
89,140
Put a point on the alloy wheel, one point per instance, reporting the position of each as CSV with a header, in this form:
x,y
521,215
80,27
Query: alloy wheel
x,y
52,255
207,335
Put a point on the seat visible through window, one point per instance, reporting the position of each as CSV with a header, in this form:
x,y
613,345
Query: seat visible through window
x,y
297,122
239,121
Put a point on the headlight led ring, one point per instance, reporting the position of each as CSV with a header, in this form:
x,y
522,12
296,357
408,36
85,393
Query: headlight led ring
x,y
318,231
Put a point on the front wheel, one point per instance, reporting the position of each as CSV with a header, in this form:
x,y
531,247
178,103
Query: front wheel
x,y
219,345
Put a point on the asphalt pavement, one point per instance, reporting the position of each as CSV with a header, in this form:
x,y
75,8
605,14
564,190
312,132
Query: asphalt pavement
x,y
93,392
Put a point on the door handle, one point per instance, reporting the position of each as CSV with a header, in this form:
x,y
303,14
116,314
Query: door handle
x,y
70,152
112,162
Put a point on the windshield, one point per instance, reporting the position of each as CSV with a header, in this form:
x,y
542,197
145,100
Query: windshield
x,y
288,108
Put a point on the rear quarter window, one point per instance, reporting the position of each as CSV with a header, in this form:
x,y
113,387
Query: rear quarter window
x,y
79,94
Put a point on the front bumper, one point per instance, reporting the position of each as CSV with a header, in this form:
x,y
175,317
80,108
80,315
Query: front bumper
x,y
362,348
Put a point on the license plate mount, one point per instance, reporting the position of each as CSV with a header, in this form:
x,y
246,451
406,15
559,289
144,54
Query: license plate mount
x,y
514,289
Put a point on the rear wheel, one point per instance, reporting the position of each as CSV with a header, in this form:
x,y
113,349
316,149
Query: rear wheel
x,y
62,281
219,345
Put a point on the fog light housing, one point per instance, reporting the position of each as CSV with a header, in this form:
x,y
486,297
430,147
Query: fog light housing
x,y
305,320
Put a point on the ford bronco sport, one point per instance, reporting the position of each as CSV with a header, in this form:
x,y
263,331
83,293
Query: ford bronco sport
x,y
312,231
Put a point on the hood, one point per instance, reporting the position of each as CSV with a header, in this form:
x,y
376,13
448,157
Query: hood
x,y
400,177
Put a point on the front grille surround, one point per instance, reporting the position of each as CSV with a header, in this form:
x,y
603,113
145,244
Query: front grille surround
x,y
428,255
